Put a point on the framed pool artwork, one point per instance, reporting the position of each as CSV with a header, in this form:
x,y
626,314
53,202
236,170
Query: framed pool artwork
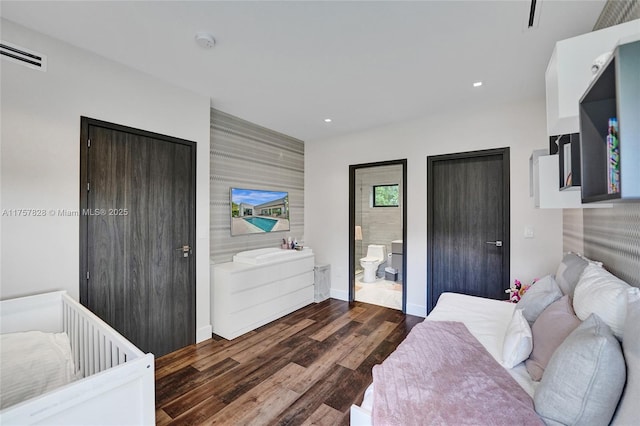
x,y
258,211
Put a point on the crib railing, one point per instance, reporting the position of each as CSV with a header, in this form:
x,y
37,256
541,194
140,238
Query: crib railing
x,y
117,386
94,344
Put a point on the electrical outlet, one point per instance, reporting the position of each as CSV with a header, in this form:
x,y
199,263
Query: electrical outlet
x,y
528,232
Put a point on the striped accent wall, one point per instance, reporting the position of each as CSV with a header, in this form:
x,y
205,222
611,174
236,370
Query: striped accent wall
x,y
245,155
616,12
611,236
572,231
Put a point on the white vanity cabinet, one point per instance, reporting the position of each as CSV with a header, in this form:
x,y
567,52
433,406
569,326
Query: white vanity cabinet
x,y
246,296
569,73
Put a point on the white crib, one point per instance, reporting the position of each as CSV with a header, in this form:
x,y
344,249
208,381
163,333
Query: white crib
x,y
117,385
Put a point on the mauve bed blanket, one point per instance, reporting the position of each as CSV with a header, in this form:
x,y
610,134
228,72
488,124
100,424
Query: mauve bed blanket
x,y
441,375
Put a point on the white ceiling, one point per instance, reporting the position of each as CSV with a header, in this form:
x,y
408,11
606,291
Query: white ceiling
x,y
289,65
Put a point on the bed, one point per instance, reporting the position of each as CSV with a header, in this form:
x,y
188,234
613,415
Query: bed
x,y
524,363
112,383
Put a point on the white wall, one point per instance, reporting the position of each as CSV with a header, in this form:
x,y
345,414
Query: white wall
x,y
521,127
40,114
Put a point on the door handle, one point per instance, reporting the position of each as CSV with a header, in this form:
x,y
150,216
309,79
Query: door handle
x,y
185,249
497,243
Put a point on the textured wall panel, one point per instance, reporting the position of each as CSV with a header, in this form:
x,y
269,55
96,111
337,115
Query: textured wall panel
x,y
611,236
245,155
572,231
617,12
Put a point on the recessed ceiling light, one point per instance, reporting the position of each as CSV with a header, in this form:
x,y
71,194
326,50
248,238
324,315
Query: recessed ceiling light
x,y
327,120
477,84
205,40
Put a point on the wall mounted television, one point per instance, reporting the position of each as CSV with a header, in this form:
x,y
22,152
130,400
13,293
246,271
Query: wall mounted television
x,y
258,211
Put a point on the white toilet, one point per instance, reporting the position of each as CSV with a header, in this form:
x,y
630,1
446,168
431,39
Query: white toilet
x,y
376,254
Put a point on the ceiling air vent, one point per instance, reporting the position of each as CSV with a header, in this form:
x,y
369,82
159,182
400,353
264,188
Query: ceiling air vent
x,y
23,56
533,18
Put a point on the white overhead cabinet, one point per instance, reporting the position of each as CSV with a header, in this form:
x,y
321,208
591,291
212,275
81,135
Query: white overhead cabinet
x,y
544,176
569,73
568,76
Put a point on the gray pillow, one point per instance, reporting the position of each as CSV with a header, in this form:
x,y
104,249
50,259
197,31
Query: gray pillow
x,y
569,271
628,412
541,294
584,379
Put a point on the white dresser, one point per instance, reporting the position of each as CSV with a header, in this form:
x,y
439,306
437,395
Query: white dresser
x,y
258,287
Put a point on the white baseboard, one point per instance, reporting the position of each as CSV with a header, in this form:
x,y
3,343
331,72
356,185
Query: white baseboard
x,y
417,310
339,294
204,333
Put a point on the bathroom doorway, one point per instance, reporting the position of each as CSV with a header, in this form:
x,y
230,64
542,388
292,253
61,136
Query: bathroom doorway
x,y
377,233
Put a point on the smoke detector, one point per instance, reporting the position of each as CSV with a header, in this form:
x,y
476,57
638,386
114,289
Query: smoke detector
x,y
205,40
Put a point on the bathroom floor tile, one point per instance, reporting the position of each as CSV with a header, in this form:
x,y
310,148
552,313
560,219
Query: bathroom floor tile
x,y
381,292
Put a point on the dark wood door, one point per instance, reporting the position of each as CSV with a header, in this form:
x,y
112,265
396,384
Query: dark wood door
x,y
138,210
468,224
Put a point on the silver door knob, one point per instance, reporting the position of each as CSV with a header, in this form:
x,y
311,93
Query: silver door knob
x,y
495,243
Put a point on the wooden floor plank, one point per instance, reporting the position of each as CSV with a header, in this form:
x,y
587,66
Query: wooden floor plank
x,y
370,312
336,325
318,349
311,398
170,387
190,354
162,418
260,404
267,344
200,413
325,364
323,416
351,389
403,328
306,368
363,350
233,384
202,395
381,315
238,347
315,311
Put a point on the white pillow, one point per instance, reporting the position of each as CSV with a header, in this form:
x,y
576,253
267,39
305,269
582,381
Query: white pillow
x,y
604,294
518,341
32,363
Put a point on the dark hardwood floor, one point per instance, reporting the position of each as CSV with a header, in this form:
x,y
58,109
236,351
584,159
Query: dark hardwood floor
x,y
305,368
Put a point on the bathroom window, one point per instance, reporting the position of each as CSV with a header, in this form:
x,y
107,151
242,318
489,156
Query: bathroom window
x,y
386,195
